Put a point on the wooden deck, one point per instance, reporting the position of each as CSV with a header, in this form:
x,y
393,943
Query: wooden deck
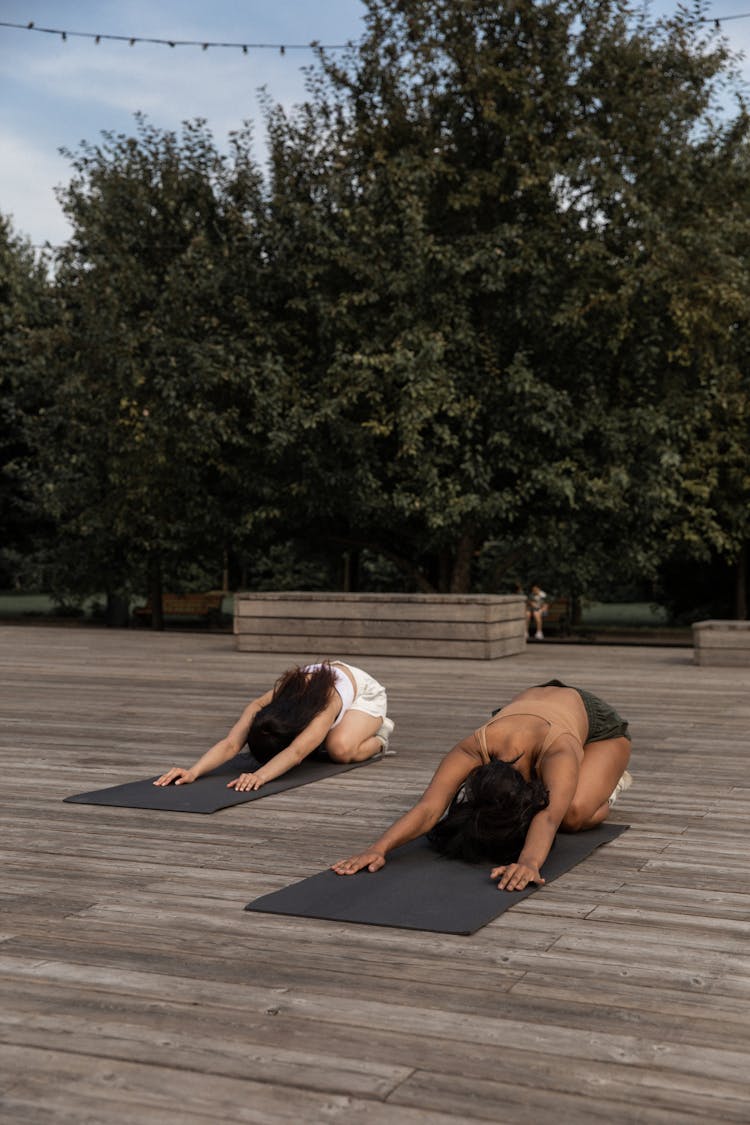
x,y
134,989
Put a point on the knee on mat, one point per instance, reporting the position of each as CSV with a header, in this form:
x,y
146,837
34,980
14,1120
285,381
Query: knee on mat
x,y
340,749
575,818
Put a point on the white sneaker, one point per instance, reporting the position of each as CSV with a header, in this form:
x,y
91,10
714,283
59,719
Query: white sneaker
x,y
624,783
540,636
384,732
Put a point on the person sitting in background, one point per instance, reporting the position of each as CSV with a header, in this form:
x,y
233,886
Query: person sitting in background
x,y
536,607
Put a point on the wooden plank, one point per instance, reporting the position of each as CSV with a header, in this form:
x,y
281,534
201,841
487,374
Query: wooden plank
x,y
134,987
632,1099
725,638
339,597
705,631
54,1081
380,646
385,610
723,657
308,628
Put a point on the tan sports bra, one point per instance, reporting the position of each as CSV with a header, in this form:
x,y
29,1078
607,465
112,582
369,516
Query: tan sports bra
x,y
558,725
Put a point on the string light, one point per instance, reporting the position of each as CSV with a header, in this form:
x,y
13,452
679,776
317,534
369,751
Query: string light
x,y
718,20
131,40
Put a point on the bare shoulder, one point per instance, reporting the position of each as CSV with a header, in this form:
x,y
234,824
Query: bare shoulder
x,y
453,770
467,747
340,666
565,747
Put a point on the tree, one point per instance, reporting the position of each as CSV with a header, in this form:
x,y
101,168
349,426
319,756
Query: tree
x,y
26,314
487,205
152,419
485,320
669,286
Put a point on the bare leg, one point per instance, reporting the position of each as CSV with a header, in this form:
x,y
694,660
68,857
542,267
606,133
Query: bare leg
x,y
353,740
602,767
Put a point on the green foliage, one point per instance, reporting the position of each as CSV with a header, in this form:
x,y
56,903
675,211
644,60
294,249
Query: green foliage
x,y
499,334
486,320
159,360
25,317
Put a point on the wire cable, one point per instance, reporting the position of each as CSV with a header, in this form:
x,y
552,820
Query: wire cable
x,y
204,44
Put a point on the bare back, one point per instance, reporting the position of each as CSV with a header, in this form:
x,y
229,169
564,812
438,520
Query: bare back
x,y
528,726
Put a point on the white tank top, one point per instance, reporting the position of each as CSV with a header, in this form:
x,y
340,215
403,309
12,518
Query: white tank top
x,y
343,686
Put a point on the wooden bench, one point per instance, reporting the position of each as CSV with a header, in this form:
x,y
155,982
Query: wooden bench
x,y
475,626
558,616
724,643
186,605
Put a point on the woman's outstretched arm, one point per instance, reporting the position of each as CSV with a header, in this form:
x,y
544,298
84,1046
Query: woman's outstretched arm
x,y
302,746
559,772
447,780
221,751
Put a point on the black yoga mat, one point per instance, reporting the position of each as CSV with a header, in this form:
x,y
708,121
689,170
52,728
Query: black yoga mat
x,y
418,889
210,793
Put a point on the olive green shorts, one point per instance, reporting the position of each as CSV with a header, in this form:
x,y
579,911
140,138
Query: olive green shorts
x,y
604,721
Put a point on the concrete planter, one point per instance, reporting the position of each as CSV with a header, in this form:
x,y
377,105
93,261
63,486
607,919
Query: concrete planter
x,y
474,626
722,642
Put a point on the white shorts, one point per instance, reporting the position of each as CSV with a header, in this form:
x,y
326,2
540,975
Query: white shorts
x,y
369,696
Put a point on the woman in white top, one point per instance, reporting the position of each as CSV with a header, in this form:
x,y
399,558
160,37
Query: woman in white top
x,y
329,705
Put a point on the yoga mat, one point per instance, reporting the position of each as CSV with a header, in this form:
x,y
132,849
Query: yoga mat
x,y
418,889
210,793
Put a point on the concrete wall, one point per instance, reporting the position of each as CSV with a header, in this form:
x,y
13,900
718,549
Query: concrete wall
x,y
476,626
722,642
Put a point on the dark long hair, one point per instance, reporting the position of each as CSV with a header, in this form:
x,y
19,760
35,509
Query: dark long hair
x,y
298,697
490,815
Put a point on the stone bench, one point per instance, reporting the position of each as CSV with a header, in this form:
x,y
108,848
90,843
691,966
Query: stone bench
x,y
474,626
722,642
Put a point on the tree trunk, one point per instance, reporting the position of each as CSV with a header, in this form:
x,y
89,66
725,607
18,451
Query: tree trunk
x,y
351,571
444,571
740,588
225,572
155,592
460,582
117,613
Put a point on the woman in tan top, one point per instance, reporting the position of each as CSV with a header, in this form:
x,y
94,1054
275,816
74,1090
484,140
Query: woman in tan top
x,y
554,758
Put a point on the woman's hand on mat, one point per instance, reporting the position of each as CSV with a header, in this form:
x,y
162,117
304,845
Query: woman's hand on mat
x,y
515,876
245,782
177,775
372,860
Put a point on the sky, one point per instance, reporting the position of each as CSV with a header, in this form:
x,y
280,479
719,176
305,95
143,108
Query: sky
x,y
56,94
